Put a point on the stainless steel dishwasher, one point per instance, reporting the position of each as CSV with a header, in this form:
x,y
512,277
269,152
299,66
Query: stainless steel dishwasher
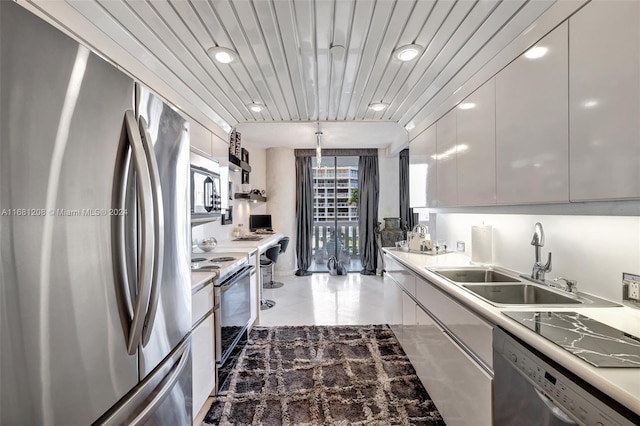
x,y
532,390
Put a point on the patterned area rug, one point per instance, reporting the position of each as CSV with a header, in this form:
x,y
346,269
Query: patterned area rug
x,y
316,375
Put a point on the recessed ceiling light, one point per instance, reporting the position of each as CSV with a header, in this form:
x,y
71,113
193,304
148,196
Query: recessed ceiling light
x,y
378,107
408,52
536,52
222,54
255,107
337,51
467,105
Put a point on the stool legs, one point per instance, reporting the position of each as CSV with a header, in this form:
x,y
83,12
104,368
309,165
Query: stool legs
x,y
265,303
271,283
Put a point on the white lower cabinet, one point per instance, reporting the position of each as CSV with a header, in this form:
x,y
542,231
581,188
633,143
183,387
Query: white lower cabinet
x,y
203,364
449,346
465,325
460,389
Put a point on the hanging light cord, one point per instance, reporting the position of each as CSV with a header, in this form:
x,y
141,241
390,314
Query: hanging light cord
x,y
318,147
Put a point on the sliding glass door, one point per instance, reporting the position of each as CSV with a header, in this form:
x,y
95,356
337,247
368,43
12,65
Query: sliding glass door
x,y
335,212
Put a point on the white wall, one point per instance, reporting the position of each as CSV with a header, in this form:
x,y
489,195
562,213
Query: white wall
x,y
241,208
594,250
281,190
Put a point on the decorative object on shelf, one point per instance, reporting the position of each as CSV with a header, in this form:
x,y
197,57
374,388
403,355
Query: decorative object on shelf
x,y
227,218
246,187
391,232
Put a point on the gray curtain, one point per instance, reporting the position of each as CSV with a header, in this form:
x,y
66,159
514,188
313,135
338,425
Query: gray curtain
x,y
406,213
368,200
304,214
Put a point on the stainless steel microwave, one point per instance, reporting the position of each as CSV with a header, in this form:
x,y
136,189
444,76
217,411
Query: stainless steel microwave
x,y
206,195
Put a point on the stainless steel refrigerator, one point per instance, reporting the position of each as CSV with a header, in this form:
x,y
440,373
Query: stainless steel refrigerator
x,y
95,298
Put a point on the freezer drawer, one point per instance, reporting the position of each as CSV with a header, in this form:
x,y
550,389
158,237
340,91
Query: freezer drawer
x,y
162,399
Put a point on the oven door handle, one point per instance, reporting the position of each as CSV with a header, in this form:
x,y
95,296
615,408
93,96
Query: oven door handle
x,y
555,410
227,284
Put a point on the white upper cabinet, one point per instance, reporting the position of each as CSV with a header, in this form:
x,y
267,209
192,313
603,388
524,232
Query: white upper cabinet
x,y
532,147
604,71
422,169
200,138
447,171
476,152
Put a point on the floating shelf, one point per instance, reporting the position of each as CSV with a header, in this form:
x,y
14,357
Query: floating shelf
x,y
240,165
249,196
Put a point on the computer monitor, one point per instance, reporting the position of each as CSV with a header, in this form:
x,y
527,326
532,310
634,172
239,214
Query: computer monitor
x,y
260,221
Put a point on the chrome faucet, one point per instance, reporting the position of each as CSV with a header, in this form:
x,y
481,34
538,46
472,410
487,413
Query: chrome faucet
x,y
539,269
571,284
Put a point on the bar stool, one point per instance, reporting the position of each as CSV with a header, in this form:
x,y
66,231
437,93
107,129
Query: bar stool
x,y
284,243
266,265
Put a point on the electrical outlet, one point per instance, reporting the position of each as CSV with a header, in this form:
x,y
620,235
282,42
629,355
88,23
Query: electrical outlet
x,y
631,289
460,246
634,291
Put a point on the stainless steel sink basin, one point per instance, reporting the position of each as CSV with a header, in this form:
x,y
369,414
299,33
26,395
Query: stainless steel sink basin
x,y
521,294
474,275
501,288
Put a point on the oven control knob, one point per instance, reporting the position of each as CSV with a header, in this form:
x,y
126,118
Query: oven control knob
x,y
513,357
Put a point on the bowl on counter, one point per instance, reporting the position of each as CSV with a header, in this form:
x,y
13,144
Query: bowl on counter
x,y
207,244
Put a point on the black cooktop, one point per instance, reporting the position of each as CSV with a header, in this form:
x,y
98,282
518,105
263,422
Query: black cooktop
x,y
595,342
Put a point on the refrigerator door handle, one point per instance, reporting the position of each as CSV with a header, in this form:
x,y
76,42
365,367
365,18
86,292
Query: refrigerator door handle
x,y
143,183
158,214
167,387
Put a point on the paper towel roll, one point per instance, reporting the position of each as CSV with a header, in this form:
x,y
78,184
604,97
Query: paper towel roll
x,y
481,244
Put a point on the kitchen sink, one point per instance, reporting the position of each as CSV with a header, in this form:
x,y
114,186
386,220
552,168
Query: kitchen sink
x,y
474,275
521,294
501,288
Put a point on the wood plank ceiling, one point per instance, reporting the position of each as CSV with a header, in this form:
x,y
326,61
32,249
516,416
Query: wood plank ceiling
x,y
284,53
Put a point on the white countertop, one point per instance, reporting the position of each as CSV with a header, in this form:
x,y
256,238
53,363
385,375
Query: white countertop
x,y
267,241
199,278
622,384
247,247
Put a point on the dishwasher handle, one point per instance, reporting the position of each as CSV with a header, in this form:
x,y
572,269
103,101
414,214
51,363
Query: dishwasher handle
x,y
555,410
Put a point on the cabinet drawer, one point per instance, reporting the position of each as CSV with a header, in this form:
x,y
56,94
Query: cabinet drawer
x,y
400,274
201,303
459,387
466,326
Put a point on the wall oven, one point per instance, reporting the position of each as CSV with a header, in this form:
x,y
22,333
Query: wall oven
x,y
232,315
206,193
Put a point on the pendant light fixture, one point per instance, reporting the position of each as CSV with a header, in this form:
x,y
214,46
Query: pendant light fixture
x,y
318,146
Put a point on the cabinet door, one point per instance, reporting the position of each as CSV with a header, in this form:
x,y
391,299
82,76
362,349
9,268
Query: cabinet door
x,y
476,153
604,70
447,170
203,363
408,310
400,274
460,389
200,138
422,169
532,147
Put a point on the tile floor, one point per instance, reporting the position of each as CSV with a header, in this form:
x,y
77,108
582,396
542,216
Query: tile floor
x,y
323,299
